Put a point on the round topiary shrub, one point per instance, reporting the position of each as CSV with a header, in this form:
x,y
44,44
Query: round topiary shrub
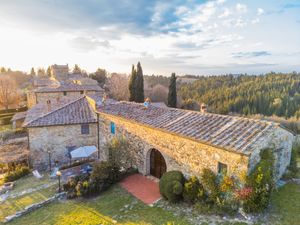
x,y
171,185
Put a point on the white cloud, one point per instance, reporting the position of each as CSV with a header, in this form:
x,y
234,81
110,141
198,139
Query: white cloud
x,y
241,8
159,10
255,21
260,11
220,2
225,13
240,23
181,10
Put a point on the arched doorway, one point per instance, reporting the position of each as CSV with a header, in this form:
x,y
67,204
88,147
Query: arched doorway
x,y
157,164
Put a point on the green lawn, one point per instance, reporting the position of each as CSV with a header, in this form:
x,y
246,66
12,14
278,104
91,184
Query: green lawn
x,y
114,205
285,204
11,206
30,182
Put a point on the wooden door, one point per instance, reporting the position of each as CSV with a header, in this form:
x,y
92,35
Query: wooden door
x,y
157,164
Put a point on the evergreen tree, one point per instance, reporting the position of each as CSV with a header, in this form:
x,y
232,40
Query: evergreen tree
x,y
32,72
132,85
172,95
49,71
76,69
139,87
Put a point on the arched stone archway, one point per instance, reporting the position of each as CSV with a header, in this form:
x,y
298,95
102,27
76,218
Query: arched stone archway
x,y
157,163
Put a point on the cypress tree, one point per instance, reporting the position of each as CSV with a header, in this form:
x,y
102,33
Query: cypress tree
x,y
172,95
49,71
32,72
139,91
132,84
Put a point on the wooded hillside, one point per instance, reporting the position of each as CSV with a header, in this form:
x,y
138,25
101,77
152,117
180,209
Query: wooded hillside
x,y
270,94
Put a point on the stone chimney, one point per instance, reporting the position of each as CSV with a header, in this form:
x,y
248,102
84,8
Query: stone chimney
x,y
147,102
203,108
49,105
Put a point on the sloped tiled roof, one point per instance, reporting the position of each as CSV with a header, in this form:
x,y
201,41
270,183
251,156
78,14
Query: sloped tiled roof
x,y
228,132
70,87
63,112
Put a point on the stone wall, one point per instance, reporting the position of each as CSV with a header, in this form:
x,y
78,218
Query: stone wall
x,y
56,139
180,153
281,142
44,96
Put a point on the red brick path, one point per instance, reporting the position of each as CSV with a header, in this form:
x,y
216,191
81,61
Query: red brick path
x,y
142,188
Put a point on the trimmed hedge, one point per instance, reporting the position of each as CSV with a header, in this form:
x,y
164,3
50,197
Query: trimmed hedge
x,y
171,185
13,110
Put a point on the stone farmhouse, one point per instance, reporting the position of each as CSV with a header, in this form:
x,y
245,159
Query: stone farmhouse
x,y
61,84
58,126
160,138
66,90
60,72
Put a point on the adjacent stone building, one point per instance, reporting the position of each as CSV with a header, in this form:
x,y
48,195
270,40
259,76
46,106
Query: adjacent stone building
x,y
164,139
57,127
65,90
60,72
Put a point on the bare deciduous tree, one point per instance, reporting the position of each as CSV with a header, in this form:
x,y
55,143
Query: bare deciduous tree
x,y
159,93
118,86
8,92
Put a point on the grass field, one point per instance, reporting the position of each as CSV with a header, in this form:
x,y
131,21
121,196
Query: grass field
x,y
285,204
12,205
118,206
113,206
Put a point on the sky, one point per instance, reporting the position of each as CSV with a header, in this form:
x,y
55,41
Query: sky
x,y
181,36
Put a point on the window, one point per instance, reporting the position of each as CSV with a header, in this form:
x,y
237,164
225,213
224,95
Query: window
x,y
81,92
65,93
112,128
85,129
222,168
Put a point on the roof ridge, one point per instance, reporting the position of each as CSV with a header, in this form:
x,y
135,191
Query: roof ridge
x,y
213,114
59,108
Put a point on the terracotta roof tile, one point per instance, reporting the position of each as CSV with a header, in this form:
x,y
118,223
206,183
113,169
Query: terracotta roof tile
x,y
70,87
63,112
229,132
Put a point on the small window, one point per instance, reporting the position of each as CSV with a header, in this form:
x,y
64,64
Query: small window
x,y
81,92
85,129
65,93
112,128
222,168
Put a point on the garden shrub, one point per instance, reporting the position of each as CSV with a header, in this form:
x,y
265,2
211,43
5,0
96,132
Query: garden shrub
x,y
105,174
16,174
210,184
118,152
193,191
261,181
171,185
